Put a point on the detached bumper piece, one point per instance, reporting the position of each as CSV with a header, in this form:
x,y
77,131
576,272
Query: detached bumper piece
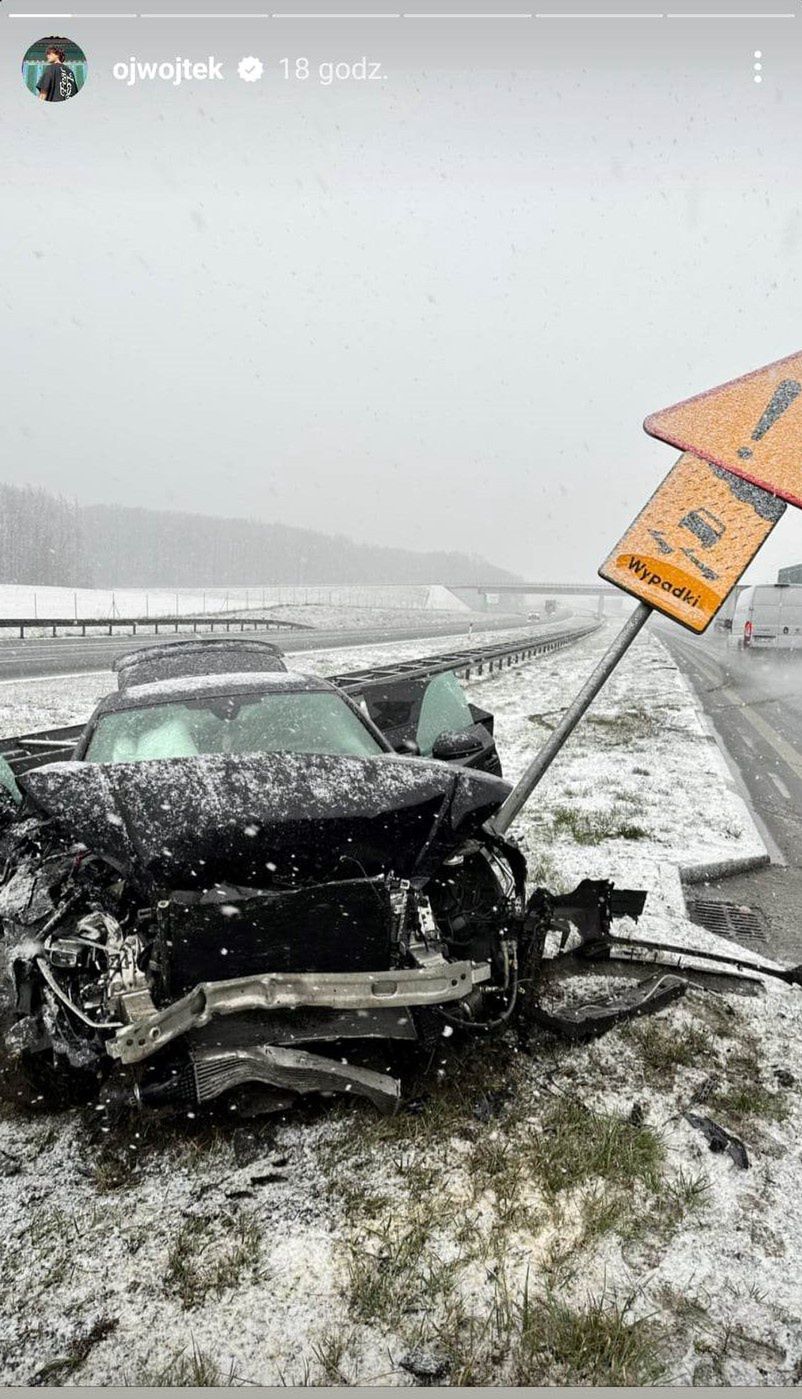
x,y
592,1018
590,910
435,984
296,1070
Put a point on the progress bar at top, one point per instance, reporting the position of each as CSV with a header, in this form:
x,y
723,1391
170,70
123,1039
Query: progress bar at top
x,y
407,14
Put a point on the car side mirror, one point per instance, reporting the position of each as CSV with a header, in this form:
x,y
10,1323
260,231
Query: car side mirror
x,y
451,747
408,748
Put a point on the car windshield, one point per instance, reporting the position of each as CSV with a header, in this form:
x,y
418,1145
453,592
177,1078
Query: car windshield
x,y
288,722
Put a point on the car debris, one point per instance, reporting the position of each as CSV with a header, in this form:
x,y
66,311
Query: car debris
x,y
719,1139
237,890
9,1165
427,1366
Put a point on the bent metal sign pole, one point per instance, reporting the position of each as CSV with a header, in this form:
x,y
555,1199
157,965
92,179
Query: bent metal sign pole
x,y
686,550
527,783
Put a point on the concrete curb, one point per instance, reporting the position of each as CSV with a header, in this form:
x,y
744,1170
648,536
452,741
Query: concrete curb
x,y
720,869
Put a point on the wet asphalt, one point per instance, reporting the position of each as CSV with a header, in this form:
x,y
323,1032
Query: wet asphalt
x,y
754,704
38,657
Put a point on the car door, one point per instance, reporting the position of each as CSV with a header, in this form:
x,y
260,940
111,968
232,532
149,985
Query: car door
x,y
419,710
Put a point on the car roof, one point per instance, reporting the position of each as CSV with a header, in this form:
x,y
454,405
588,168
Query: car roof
x,y
196,655
186,687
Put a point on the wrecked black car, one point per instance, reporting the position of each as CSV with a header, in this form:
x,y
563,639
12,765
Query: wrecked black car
x,y
235,871
236,888
198,919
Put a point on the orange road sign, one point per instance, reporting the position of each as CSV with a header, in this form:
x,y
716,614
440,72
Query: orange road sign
x,y
690,544
752,426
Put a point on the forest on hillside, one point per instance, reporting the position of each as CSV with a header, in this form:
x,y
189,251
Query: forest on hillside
x,y
48,539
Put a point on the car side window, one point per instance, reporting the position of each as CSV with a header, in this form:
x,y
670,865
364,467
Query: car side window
x,y
444,710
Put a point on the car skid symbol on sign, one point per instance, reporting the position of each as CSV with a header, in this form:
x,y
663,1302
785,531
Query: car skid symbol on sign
x,y
707,528
661,541
703,568
683,557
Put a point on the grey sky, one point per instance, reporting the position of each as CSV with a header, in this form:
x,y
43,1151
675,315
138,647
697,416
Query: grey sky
x,y
431,311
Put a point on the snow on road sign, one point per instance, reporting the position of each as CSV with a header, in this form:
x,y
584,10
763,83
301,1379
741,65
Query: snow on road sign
x,y
752,426
690,544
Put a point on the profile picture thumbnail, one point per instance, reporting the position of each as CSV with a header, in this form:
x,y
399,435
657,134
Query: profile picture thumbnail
x,y
54,69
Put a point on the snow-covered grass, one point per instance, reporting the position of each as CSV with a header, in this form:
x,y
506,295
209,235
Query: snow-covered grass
x,y
542,1213
29,600
641,783
338,617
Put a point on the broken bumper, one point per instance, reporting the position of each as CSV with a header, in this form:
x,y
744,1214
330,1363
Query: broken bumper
x,y
437,983
219,1071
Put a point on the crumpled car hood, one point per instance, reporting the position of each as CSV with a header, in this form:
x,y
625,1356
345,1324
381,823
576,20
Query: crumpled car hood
x,y
265,819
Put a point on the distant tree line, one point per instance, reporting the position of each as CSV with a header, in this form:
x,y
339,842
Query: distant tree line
x,y
48,539
41,538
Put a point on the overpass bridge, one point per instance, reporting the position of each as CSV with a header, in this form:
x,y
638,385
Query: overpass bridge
x,y
592,589
484,592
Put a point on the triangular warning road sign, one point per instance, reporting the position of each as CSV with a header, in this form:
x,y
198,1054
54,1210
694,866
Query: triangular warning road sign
x,y
751,426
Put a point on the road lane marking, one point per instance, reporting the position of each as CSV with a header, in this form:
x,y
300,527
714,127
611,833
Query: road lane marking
x,y
780,785
789,755
693,660
54,675
713,677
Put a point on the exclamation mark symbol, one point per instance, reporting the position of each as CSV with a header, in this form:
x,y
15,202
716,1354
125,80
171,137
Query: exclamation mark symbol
x,y
782,399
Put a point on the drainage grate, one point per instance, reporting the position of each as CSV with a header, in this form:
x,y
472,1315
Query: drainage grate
x,y
735,921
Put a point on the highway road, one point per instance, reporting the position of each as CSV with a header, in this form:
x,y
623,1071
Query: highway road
x,y
755,706
36,658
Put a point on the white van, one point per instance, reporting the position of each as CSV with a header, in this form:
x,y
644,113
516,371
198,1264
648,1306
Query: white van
x,y
768,617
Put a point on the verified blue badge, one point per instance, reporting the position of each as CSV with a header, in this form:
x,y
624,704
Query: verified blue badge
x,y
250,69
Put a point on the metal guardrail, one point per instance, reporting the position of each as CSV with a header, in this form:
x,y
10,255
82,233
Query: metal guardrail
x,y
463,663
72,625
32,750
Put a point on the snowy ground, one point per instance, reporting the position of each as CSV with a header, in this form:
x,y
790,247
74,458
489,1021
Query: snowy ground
x,y
27,600
326,617
543,1214
336,616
